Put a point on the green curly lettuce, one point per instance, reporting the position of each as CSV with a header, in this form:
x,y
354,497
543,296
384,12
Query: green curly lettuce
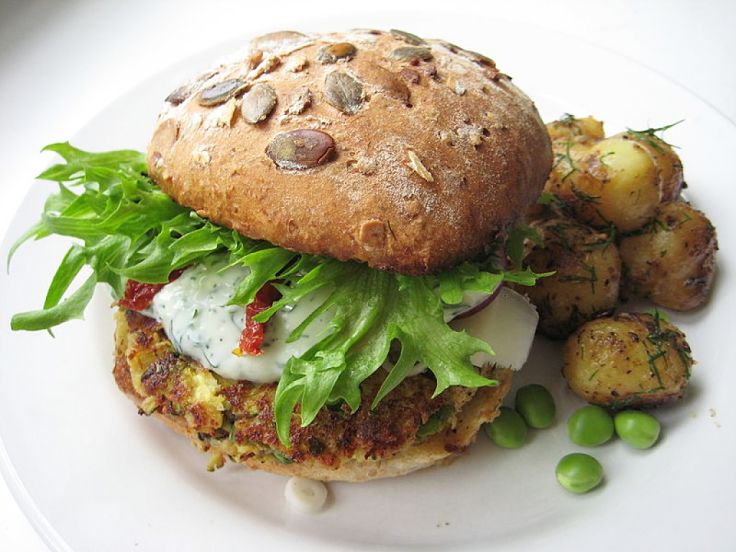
x,y
128,228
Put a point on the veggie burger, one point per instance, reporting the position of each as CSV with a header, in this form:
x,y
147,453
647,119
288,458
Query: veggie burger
x,y
308,264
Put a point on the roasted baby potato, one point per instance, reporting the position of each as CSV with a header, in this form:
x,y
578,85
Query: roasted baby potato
x,y
619,180
587,275
611,181
671,261
627,360
570,128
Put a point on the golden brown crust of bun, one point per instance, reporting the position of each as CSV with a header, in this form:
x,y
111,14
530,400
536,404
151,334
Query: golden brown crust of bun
x,y
234,419
435,151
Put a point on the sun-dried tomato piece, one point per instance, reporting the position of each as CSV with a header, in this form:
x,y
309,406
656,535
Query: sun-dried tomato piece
x,y
252,337
138,295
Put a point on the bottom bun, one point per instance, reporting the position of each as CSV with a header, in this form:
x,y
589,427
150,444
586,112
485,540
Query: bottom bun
x,y
407,431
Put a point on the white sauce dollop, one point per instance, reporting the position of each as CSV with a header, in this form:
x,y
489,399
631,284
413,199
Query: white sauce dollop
x,y
194,313
305,495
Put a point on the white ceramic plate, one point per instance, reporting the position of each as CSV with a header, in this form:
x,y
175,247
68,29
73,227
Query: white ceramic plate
x,y
92,475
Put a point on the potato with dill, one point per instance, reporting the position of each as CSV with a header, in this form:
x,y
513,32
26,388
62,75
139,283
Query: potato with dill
x,y
626,360
569,127
619,180
671,261
613,181
667,162
587,273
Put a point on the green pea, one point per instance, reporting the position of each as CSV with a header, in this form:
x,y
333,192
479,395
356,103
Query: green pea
x,y
579,473
590,426
638,429
536,406
508,430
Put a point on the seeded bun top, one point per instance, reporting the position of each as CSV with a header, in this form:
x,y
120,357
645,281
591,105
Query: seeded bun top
x,y
409,154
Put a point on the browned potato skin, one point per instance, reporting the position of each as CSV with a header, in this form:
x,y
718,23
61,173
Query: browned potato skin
x,y
671,261
587,275
668,163
627,360
570,128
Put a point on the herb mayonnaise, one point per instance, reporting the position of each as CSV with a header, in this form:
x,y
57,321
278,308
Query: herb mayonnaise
x,y
194,312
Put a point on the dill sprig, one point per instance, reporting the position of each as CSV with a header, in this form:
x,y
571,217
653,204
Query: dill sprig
x,y
650,135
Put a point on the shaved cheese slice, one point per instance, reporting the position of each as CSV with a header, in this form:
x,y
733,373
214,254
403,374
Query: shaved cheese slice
x,y
508,325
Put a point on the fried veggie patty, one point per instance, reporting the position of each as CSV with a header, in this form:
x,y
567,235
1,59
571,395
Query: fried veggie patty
x,y
231,419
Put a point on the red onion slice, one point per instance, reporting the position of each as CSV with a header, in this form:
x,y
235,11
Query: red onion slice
x,y
479,306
